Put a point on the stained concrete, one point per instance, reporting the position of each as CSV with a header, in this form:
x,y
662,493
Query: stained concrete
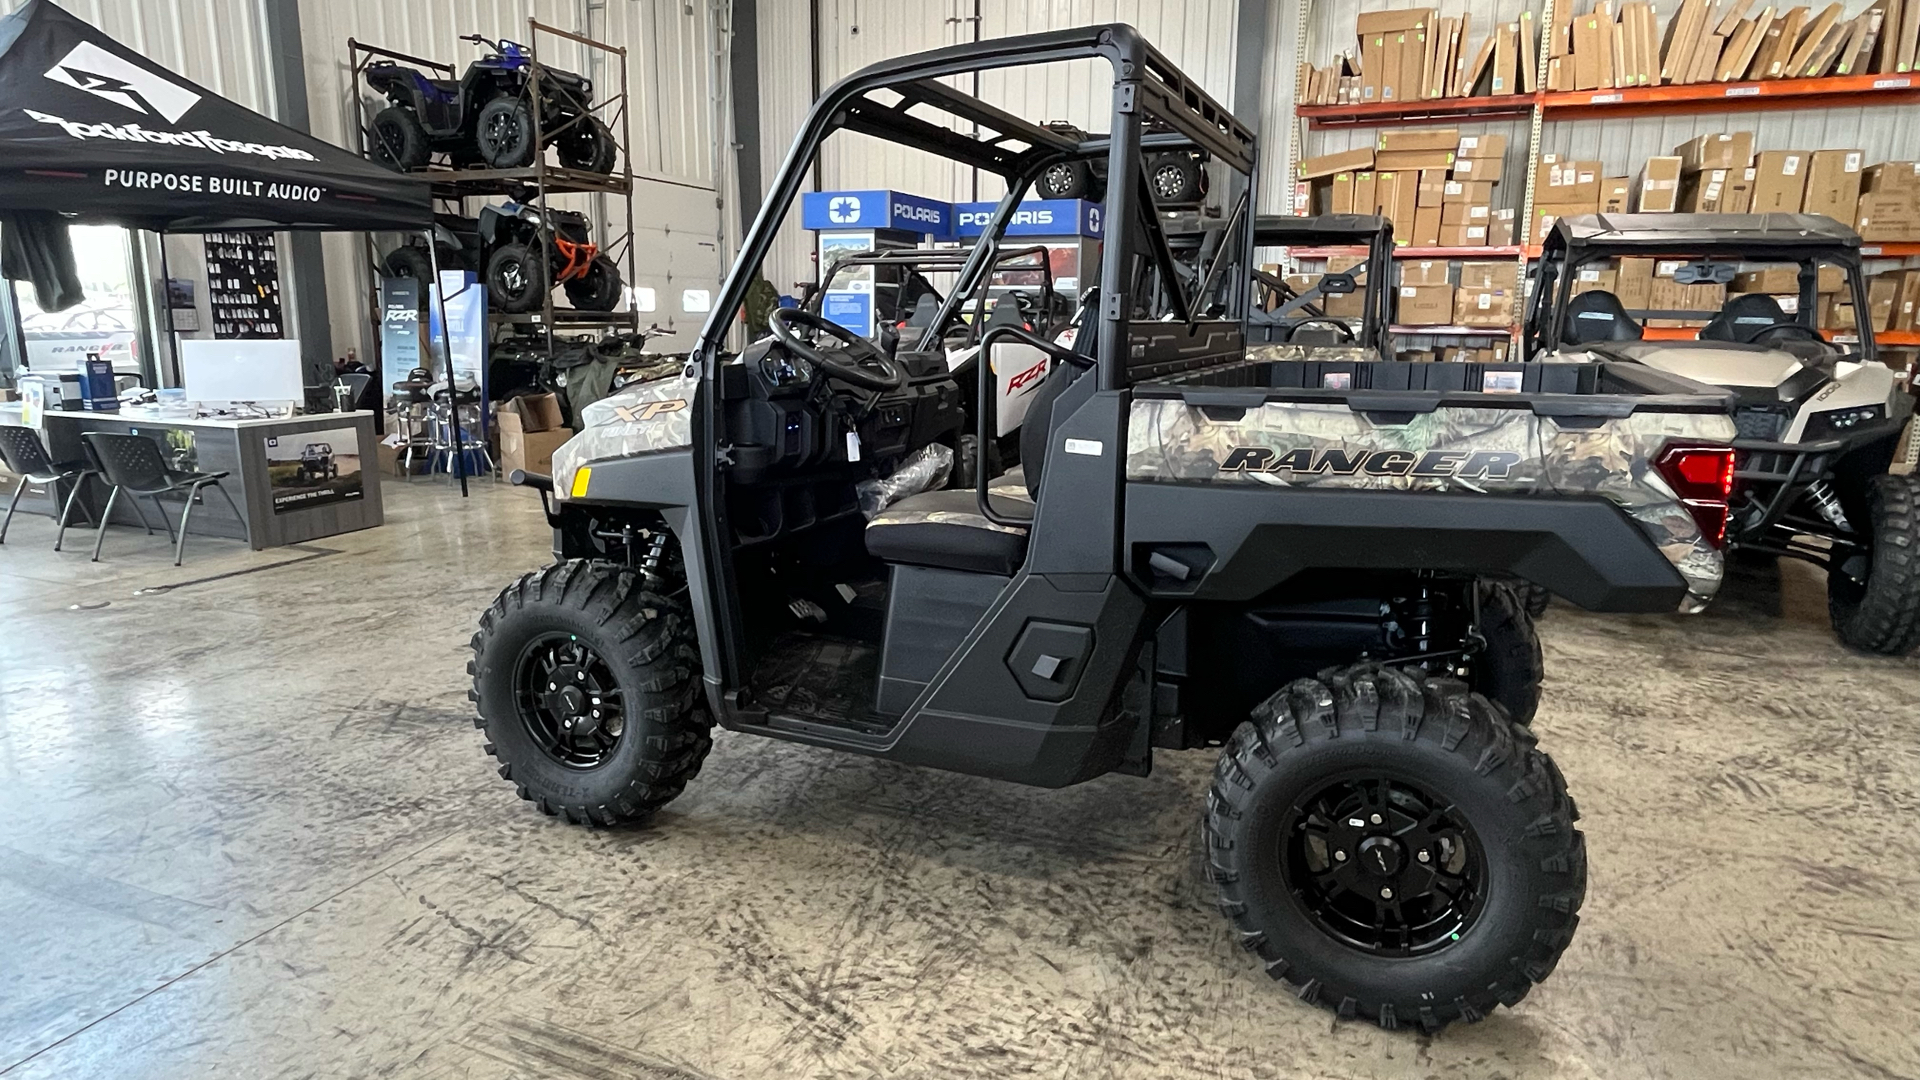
x,y
246,830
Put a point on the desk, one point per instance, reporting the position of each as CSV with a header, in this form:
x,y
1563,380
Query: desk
x,y
294,479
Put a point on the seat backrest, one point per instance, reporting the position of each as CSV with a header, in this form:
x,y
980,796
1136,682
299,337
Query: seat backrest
x,y
23,452
1598,315
924,310
1743,317
132,461
1037,430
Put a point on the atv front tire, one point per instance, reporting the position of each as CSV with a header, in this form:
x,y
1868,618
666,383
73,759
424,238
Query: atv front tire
x,y
587,688
397,140
503,134
517,278
1394,849
598,289
1882,613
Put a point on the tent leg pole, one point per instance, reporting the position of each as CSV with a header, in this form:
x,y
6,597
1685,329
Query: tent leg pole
x,y
166,307
453,384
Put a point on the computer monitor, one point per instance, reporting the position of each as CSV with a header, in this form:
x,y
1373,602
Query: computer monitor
x,y
256,371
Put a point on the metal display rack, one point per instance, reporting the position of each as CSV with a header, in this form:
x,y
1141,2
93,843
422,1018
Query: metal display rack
x,y
1542,107
542,180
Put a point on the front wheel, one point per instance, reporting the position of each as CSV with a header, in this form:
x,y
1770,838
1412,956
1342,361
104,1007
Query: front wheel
x,y
586,683
503,133
1394,849
589,145
1873,597
598,289
517,278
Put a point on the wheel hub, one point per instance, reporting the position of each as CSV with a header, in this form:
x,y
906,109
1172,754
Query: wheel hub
x,y
569,702
1383,866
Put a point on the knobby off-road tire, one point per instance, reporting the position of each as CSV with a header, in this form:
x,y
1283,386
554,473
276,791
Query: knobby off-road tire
x,y
397,140
1883,614
1445,754
646,646
1532,597
1508,671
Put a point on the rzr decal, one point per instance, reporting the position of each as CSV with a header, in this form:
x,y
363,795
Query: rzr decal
x,y
1458,464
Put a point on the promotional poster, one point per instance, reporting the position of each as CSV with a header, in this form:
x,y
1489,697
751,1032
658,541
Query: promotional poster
x,y
314,468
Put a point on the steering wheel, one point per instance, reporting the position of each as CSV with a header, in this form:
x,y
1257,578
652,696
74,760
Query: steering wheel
x,y
1774,328
857,360
1346,331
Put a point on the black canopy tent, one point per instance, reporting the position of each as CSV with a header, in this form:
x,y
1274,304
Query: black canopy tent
x,y
99,134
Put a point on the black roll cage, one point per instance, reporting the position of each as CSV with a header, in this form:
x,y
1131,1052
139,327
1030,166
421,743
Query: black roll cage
x,y
1146,84
1370,232
1563,252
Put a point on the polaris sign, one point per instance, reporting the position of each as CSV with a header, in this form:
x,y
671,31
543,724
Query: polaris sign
x,y
876,210
1039,217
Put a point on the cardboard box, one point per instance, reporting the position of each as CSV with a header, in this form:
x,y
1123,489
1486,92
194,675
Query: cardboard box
x,y
1883,293
1891,177
1420,139
1424,271
1779,181
1633,283
1701,192
1880,217
1563,182
1432,186
1340,193
1833,183
1365,198
1424,305
530,450
1330,164
529,413
1502,233
1381,22
1616,194
1426,226
1373,49
1595,279
1487,170
1490,274
1409,160
1773,279
1545,214
1726,150
1481,147
1588,51
1670,295
1483,307
1463,235
1465,214
1659,189
1906,309
1467,191
1738,198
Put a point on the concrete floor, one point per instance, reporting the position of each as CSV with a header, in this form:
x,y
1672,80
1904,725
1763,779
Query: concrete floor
x,y
246,830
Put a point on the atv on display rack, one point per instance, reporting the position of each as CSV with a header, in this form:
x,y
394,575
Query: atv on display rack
x,y
487,116
519,259
1280,551
1823,469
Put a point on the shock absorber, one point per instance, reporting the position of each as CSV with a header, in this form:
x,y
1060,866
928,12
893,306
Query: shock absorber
x,y
656,551
1820,493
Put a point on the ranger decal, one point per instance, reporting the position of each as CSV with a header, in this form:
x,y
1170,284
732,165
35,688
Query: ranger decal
x,y
1341,461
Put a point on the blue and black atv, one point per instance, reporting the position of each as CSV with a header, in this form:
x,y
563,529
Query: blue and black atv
x,y
487,117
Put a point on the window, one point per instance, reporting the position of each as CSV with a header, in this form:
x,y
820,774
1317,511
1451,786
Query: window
x,y
106,322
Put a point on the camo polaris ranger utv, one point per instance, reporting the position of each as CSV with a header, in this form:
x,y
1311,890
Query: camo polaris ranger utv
x,y
1198,548
1824,467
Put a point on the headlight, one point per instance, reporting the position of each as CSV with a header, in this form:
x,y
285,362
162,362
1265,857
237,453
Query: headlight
x,y
1827,425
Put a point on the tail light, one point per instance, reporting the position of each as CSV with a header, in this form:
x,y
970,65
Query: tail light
x,y
1703,478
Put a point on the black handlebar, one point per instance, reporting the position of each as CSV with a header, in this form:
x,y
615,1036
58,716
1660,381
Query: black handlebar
x,y
534,480
981,438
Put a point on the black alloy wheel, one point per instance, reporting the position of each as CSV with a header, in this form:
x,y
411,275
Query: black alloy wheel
x,y
1383,866
569,701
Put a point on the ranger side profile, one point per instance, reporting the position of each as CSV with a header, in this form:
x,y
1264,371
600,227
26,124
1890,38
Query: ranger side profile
x,y
1294,551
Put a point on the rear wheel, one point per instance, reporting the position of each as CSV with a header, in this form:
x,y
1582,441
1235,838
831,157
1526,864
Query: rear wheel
x,y
397,140
1873,597
504,133
1176,179
586,684
598,289
1508,668
1066,180
588,145
517,278
1394,849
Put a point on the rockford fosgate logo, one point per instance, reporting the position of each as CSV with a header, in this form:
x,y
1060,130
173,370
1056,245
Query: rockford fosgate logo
x,y
100,73
1459,464
202,139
